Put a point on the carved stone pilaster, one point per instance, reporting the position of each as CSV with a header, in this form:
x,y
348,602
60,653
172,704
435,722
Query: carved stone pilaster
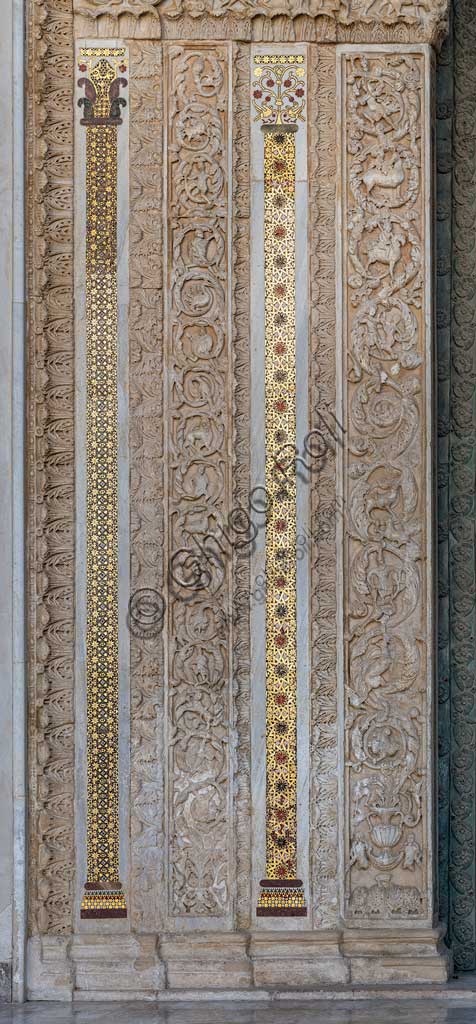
x,y
386,486
50,458
241,479
146,440
322,376
198,442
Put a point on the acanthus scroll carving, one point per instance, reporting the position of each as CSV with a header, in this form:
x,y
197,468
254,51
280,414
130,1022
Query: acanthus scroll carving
x,y
199,487
50,434
385,606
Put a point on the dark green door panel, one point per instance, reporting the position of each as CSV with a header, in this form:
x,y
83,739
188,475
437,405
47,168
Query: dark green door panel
x,y
456,339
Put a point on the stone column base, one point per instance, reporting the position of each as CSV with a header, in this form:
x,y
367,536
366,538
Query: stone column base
x,y
213,965
297,961
406,957
207,961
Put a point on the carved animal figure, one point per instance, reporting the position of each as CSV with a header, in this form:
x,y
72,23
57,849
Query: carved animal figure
x,y
386,249
382,8
390,175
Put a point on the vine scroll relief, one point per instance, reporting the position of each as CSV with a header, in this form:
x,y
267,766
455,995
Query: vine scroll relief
x,y
385,577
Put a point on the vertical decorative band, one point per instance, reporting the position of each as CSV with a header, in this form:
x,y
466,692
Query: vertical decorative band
x,y
386,484
198,397
278,98
101,108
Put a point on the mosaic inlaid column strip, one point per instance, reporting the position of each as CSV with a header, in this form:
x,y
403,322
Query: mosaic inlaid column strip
x,y
101,107
278,96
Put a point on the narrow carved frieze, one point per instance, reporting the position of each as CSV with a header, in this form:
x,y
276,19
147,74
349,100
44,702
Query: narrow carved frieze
x,y
146,607
280,20
102,70
198,361
241,478
324,796
50,454
387,597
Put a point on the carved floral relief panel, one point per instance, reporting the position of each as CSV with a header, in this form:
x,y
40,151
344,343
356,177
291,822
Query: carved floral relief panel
x,y
386,501
190,699
198,480
51,469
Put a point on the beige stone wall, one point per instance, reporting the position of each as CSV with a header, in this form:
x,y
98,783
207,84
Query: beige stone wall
x,y
187,856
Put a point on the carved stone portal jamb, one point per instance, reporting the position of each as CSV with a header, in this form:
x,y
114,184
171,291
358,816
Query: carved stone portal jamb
x,y
385,483
50,342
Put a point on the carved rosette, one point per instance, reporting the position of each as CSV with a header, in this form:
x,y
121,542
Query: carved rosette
x,y
384,516
198,424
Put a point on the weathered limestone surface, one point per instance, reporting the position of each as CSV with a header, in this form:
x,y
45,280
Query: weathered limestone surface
x,y
386,483
329,20
371,681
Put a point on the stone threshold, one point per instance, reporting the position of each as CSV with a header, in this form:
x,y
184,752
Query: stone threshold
x,y
453,991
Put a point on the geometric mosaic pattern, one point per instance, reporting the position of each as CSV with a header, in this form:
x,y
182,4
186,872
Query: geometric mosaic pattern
x,y
275,99
101,109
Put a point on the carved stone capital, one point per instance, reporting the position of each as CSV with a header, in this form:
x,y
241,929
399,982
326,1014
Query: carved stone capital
x,y
333,20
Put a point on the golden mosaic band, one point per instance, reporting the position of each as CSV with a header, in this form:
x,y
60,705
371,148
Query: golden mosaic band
x,y
102,903
103,895
284,900
280,399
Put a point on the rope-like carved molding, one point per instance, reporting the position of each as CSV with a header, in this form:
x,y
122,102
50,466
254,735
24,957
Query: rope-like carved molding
x,y
341,20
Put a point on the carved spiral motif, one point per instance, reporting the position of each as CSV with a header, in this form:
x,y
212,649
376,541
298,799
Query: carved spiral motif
x,y
198,654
